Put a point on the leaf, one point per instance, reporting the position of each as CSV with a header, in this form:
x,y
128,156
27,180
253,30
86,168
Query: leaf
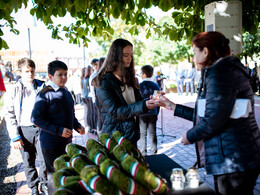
x,y
148,34
148,4
73,11
132,30
131,4
165,5
175,14
92,14
141,4
116,12
3,44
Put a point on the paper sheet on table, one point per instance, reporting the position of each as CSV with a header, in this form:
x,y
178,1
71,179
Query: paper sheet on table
x,y
241,109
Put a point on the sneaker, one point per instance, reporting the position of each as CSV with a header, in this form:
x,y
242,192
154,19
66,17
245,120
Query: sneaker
x,y
44,189
35,190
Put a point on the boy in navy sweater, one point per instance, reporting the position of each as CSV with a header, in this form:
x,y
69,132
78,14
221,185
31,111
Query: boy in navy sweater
x,y
148,121
54,113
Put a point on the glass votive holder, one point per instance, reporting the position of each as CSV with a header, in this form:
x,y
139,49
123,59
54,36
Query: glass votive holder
x,y
193,177
157,94
177,179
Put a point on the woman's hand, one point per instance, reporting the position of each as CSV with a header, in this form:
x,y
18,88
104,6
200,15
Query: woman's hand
x,y
166,103
81,130
152,103
184,139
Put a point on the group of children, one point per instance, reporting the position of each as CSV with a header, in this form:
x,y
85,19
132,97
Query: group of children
x,y
40,116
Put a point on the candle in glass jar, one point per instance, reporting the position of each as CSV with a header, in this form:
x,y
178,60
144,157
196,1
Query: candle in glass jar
x,y
193,177
177,179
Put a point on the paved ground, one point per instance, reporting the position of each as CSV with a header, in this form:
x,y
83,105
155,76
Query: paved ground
x,y
169,126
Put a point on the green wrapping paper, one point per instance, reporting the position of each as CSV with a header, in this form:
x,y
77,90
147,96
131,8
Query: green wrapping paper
x,y
63,176
79,161
61,162
108,142
97,156
72,149
119,152
93,144
130,148
143,175
90,175
75,188
123,182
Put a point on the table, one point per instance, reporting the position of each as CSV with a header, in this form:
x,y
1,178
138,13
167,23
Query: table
x,y
161,164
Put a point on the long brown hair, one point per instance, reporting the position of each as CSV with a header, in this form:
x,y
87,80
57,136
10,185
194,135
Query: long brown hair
x,y
114,60
217,44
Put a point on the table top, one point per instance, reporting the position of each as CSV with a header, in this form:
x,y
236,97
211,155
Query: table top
x,y
161,164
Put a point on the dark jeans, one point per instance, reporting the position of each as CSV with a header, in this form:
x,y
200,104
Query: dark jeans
x,y
99,117
50,155
31,149
236,183
148,123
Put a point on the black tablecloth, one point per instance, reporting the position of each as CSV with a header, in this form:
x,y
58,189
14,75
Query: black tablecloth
x,y
163,165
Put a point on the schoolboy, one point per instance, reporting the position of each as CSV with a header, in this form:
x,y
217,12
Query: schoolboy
x,y
54,113
148,120
24,136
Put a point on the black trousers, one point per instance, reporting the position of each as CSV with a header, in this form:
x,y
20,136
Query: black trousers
x,y
29,152
242,183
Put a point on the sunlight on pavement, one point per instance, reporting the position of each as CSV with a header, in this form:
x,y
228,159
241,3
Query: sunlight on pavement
x,y
167,146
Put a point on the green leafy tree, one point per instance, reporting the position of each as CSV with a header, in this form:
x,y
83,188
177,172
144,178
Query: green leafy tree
x,y
251,45
93,17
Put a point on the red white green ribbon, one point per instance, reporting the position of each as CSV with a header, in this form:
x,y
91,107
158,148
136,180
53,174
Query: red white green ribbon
x,y
97,158
85,186
62,180
93,181
74,160
123,156
120,140
67,164
133,168
159,185
109,171
107,143
132,186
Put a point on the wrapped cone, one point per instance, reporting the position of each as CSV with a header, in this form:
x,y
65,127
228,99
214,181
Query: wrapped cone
x,y
123,182
97,183
119,152
63,176
79,161
108,142
75,188
93,144
130,148
61,162
143,175
72,149
97,156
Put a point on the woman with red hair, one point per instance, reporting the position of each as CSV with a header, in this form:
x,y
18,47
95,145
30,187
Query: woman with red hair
x,y
227,144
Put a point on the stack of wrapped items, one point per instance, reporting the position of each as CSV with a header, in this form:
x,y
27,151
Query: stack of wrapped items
x,y
108,167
